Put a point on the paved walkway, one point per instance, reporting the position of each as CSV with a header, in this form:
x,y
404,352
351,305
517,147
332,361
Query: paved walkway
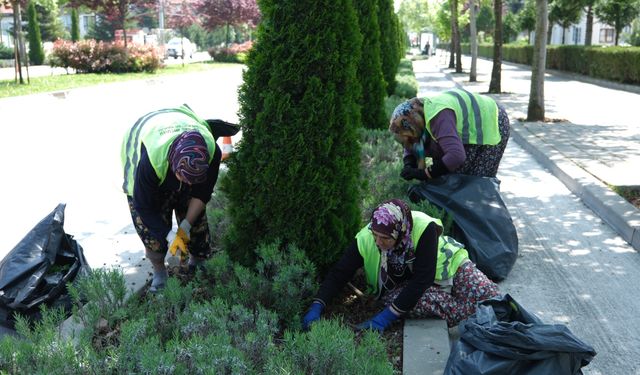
x,y
576,266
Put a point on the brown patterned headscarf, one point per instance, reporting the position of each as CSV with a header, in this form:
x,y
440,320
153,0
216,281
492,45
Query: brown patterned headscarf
x,y
408,121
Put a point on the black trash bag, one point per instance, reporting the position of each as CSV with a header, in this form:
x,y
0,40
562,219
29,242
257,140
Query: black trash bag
x,y
37,269
481,220
503,338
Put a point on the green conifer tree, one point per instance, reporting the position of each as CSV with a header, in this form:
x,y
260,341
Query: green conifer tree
x,y
370,67
295,174
36,51
388,44
75,25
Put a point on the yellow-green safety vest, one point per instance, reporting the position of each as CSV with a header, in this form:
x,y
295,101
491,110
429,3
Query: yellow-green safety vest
x,y
157,130
476,116
450,252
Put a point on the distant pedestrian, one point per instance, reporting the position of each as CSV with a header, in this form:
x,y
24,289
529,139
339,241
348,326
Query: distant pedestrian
x,y
171,162
408,263
426,48
461,132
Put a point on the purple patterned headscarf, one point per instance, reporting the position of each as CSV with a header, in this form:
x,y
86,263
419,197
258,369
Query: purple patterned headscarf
x,y
189,157
393,218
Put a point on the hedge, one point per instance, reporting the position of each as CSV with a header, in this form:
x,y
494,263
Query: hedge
x,y
620,64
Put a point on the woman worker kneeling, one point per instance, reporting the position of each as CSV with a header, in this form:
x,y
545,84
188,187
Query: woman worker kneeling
x,y
408,263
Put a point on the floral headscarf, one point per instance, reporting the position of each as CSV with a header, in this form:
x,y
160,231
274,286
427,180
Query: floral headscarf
x,y
393,218
189,157
407,120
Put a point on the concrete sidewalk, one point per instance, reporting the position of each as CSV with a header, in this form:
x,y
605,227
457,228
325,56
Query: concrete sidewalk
x,y
574,268
597,145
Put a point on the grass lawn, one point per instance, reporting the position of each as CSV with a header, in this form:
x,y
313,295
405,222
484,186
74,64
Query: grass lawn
x,y
70,81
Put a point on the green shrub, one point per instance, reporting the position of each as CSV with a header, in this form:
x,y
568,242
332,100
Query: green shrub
x,y
36,51
6,53
370,67
390,43
89,56
39,347
330,348
406,83
234,53
283,281
294,175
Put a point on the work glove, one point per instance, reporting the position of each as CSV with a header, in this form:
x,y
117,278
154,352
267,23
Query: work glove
x,y
312,315
410,173
179,240
379,322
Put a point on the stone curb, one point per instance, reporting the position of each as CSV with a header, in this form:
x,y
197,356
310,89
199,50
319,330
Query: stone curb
x,y
621,215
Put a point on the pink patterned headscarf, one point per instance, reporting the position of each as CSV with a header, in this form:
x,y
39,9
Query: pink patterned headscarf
x,y
189,157
393,218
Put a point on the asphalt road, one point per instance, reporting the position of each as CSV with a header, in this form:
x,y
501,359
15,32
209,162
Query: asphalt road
x,y
65,147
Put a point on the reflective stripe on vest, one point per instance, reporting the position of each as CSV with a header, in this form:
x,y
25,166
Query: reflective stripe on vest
x,y
450,253
476,116
157,130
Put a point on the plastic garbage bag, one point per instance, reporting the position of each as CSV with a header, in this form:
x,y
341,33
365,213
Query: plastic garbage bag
x,y
38,268
481,219
503,338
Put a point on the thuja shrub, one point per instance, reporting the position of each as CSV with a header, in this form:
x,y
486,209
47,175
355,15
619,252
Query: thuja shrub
x,y
370,67
330,348
295,174
389,43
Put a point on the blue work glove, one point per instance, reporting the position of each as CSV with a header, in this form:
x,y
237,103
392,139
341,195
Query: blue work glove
x,y
312,315
379,322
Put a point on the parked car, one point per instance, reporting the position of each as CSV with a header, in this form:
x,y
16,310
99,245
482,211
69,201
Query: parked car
x,y
175,47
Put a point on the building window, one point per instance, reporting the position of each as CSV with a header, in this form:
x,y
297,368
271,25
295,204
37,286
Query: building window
x,y
606,35
577,33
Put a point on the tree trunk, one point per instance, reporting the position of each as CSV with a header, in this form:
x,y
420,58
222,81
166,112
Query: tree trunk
x,y
457,31
618,29
17,33
474,41
495,86
535,112
549,31
589,33
564,31
452,57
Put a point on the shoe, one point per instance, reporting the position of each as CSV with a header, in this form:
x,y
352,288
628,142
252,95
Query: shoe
x,y
159,281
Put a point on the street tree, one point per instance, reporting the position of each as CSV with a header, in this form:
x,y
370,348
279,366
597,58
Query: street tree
x,y
484,18
617,13
75,25
370,67
473,39
535,110
116,12
18,39
228,13
455,37
51,26
589,9
495,85
295,175
416,15
36,51
527,18
564,13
